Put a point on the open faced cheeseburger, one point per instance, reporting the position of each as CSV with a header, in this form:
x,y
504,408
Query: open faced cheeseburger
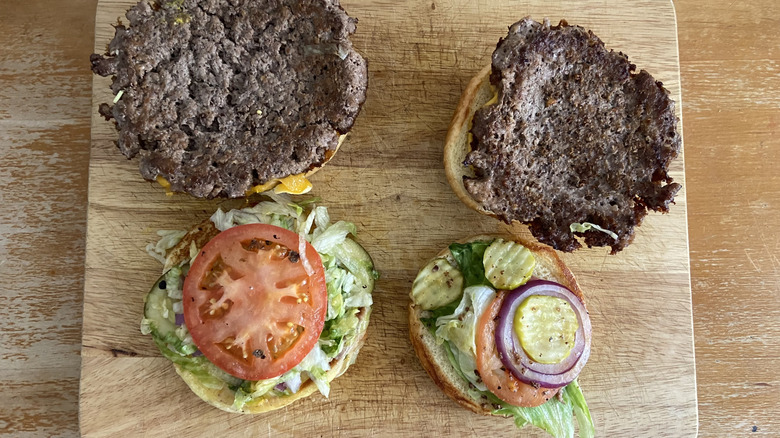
x,y
565,136
261,306
226,98
502,328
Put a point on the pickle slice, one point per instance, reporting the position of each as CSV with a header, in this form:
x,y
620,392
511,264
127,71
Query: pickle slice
x,y
546,327
508,264
438,284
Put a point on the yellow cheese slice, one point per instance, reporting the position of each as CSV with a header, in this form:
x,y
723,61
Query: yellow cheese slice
x,y
260,188
294,185
166,185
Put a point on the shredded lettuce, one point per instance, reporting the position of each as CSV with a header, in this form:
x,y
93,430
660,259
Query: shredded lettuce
x,y
577,227
334,235
280,211
337,330
261,387
349,276
305,227
315,364
469,257
335,276
359,300
321,218
209,374
168,239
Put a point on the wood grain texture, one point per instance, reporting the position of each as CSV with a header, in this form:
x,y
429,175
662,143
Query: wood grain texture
x,y
44,151
729,54
388,178
732,112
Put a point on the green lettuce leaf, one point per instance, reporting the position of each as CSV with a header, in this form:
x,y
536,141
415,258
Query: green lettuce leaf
x,y
469,257
448,309
554,417
336,330
572,394
339,327
335,277
460,328
332,236
577,227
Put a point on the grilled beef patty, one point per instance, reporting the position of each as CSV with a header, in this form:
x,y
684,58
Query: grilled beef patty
x,y
576,136
220,95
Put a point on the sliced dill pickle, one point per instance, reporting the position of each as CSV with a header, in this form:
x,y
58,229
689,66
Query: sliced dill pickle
x,y
546,327
438,284
508,264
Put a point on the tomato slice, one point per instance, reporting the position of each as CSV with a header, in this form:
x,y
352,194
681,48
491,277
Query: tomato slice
x,y
254,306
492,371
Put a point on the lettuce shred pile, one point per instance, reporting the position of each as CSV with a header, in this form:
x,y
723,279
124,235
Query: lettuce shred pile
x,y
349,282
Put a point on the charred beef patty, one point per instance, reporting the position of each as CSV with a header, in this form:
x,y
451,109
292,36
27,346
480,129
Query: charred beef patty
x,y
576,136
220,95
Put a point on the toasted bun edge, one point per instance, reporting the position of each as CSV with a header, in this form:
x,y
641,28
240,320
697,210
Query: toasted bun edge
x,y
433,357
456,145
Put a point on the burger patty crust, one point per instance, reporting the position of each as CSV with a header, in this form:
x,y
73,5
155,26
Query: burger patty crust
x,y
576,136
216,96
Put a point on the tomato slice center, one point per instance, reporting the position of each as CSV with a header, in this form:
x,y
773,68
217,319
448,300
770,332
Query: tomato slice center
x,y
249,303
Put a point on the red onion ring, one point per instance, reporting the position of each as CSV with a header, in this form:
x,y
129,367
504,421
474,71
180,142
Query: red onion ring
x,y
514,357
574,355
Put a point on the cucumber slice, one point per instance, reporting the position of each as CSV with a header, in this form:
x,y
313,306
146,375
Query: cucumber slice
x,y
160,322
158,307
508,264
438,284
159,318
357,261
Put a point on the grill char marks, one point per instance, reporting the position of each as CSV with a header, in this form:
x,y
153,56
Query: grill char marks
x,y
576,136
220,95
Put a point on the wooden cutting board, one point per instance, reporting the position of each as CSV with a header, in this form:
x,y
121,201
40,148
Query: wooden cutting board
x,y
388,179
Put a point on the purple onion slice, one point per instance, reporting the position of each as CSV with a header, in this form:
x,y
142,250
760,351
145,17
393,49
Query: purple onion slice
x,y
514,357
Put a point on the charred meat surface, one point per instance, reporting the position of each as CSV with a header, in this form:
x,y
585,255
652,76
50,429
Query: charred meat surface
x,y
216,96
577,135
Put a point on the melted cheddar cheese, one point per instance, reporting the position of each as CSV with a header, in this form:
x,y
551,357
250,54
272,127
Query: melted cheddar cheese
x,y
293,184
166,185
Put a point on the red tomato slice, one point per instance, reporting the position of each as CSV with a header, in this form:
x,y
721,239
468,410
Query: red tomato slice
x,y
493,373
251,304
